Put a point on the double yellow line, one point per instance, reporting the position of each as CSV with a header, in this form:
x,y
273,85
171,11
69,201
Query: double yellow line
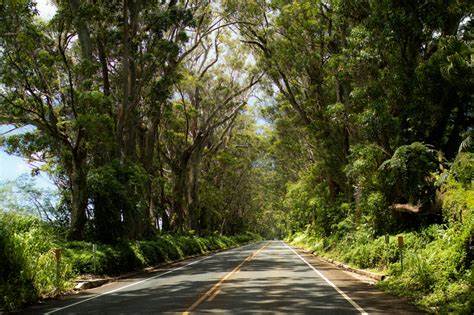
x,y
214,291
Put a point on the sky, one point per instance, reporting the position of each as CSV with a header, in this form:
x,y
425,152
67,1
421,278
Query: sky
x,y
12,167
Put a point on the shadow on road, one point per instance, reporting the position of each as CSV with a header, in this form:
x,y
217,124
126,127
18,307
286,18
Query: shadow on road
x,y
275,281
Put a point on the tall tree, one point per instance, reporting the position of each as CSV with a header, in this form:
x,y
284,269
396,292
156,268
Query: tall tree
x,y
210,99
361,80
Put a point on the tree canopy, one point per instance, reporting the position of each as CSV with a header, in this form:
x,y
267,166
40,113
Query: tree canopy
x,y
148,114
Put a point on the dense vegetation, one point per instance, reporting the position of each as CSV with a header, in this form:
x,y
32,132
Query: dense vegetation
x,y
139,111
437,271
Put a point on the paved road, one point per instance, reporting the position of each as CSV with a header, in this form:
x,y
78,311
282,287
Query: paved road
x,y
265,277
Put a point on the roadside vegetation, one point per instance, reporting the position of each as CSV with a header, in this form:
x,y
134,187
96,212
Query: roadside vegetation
x,y
29,265
438,273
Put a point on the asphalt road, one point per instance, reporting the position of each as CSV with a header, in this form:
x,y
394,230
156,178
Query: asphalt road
x,y
264,277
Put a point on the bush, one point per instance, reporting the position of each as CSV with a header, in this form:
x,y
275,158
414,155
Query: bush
x,y
27,264
463,169
457,201
409,174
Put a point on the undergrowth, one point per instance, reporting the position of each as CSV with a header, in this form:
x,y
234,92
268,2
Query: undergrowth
x,y
438,268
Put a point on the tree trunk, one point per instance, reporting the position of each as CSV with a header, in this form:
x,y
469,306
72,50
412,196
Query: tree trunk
x,y
179,214
165,221
148,164
194,209
82,29
203,221
333,190
78,178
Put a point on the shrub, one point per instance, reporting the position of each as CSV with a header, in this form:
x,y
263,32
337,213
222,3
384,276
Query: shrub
x,y
463,169
27,265
457,201
409,174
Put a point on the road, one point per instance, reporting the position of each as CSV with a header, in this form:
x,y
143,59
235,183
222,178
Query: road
x,y
264,277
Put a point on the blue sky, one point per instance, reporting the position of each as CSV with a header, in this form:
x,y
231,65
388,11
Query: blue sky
x,y
11,167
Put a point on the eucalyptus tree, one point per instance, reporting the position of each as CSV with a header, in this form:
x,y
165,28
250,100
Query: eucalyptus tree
x,y
209,98
101,82
361,79
42,86
229,180
299,46
92,81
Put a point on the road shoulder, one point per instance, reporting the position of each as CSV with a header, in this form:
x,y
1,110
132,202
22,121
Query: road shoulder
x,y
360,288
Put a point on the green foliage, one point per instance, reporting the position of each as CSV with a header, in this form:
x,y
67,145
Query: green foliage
x,y
437,273
116,189
363,166
437,259
456,190
437,263
27,263
408,173
457,201
132,255
110,260
370,100
463,169
366,100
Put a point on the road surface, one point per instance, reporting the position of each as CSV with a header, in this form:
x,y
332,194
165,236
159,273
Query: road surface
x,y
265,277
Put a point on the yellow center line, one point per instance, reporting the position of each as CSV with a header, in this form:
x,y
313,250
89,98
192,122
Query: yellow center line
x,y
213,292
214,295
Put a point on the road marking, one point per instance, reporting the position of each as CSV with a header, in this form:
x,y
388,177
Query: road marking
x,y
141,281
213,296
360,309
212,292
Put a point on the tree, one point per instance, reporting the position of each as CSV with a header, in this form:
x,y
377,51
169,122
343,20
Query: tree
x,y
39,89
352,76
210,98
21,195
75,92
99,87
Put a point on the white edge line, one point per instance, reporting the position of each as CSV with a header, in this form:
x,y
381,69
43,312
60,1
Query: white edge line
x,y
360,309
141,281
